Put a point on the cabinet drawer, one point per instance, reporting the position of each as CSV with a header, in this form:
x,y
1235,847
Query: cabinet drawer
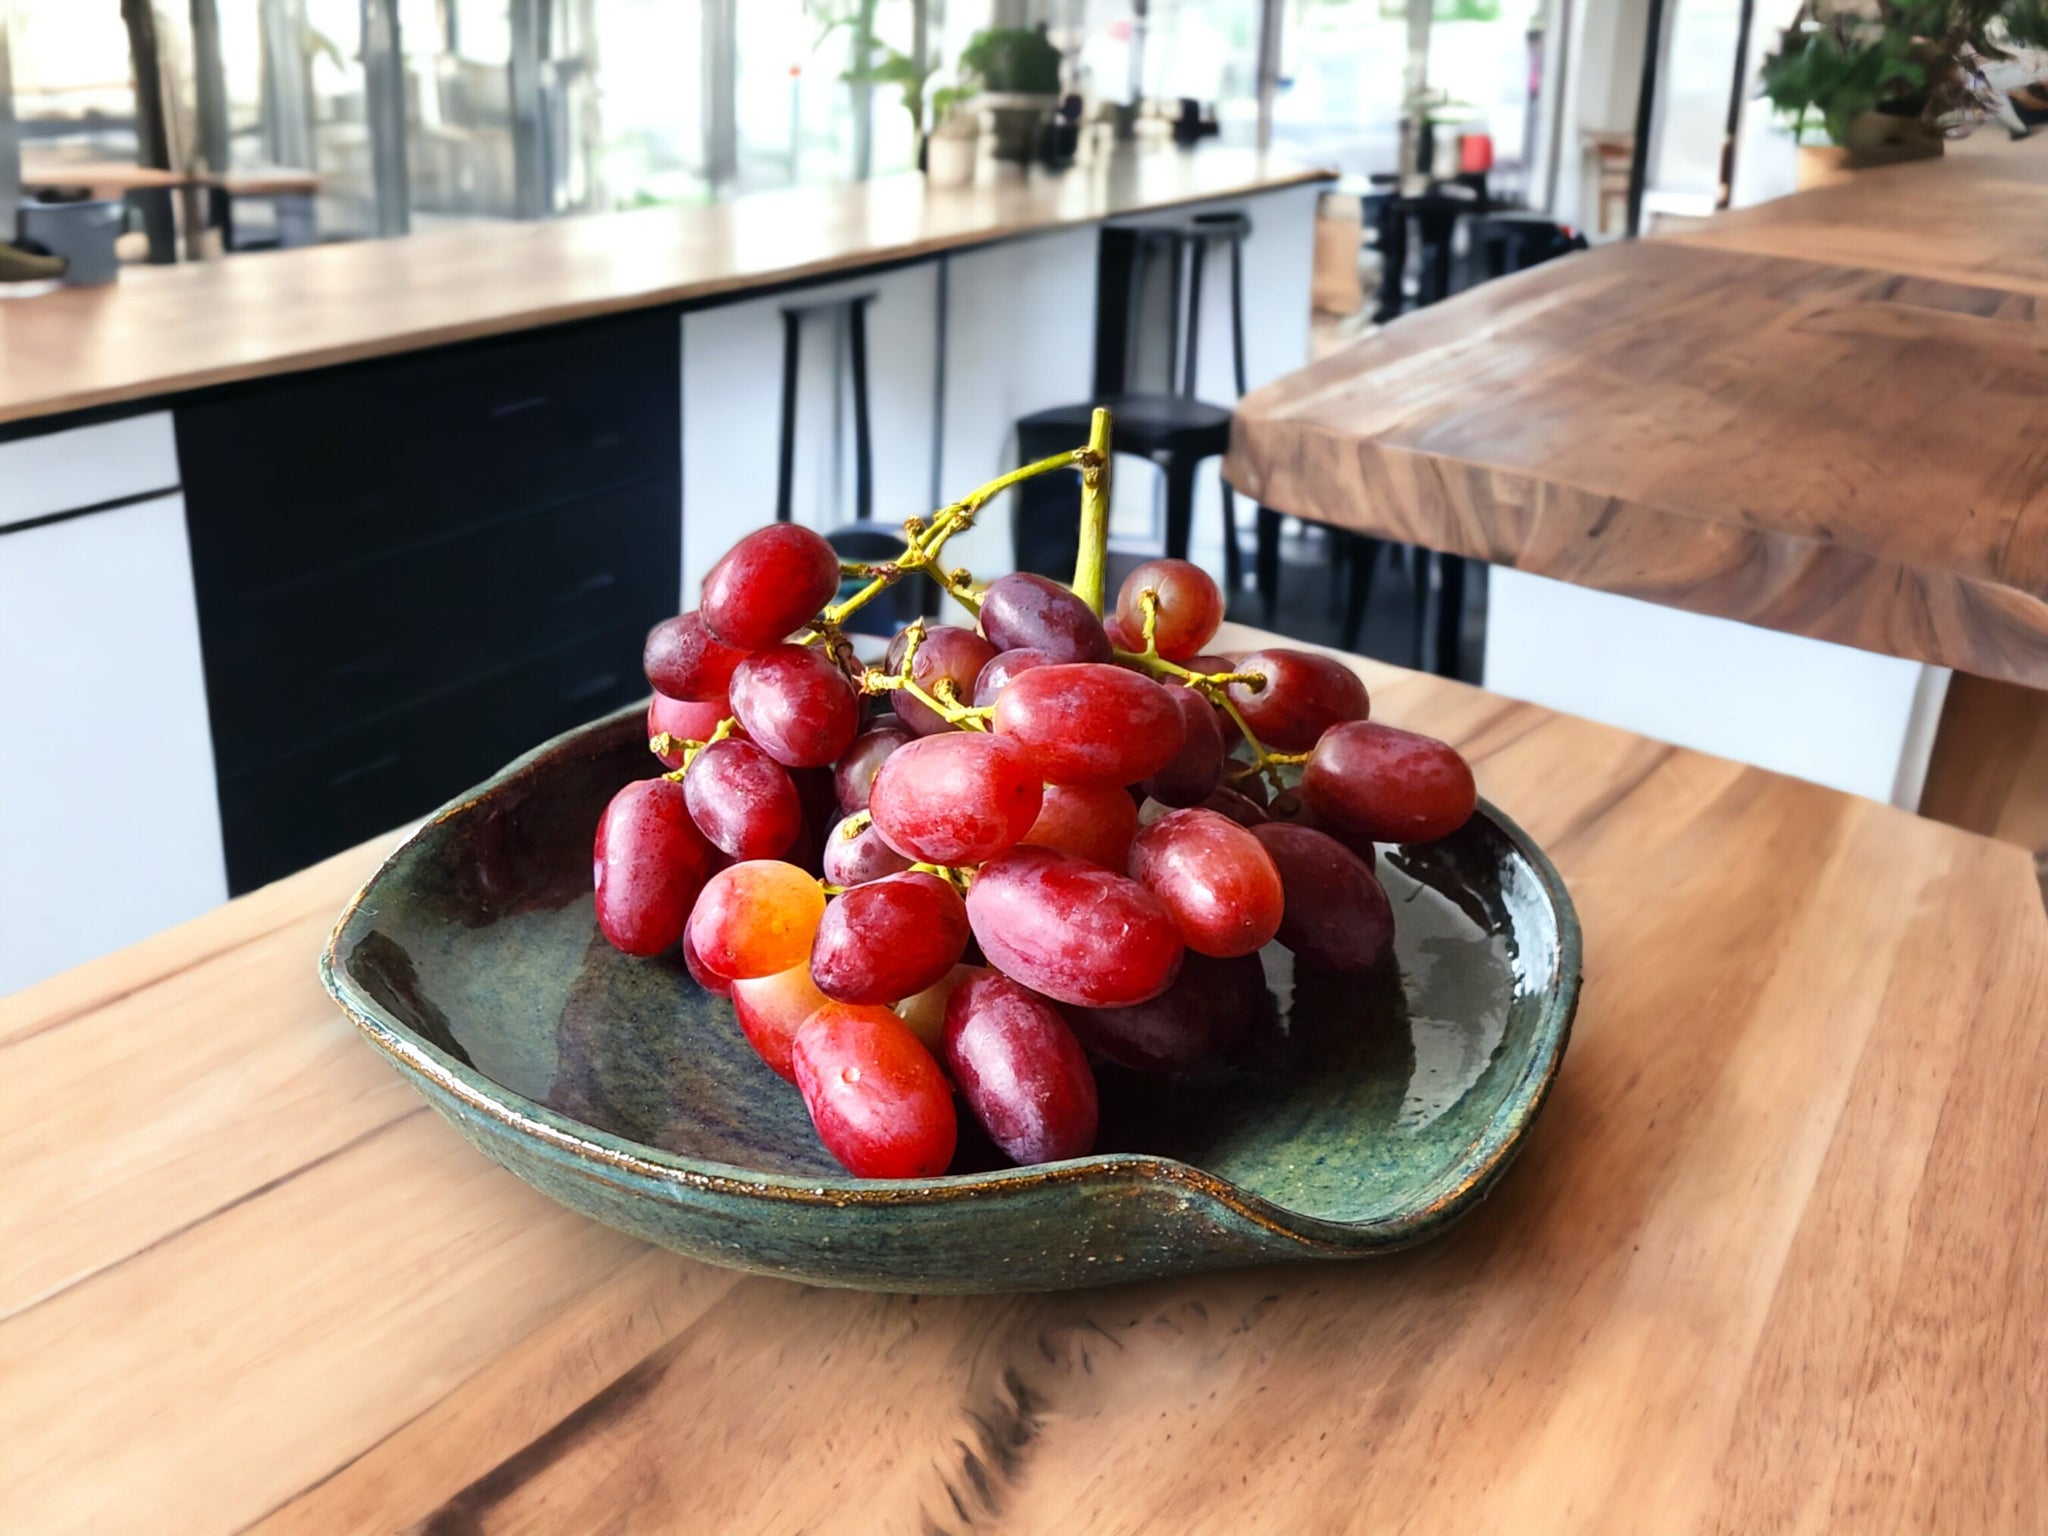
x,y
293,477
381,773
292,665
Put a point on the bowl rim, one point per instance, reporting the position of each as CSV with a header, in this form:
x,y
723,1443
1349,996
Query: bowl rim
x,y
1466,1180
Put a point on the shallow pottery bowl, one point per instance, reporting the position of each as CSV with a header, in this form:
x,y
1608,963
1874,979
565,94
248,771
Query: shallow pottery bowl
x,y
1383,1107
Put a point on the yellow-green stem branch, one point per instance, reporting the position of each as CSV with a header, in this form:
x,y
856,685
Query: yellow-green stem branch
x,y
1092,560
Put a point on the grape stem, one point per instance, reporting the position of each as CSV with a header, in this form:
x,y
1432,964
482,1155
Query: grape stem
x,y
1214,686
665,746
944,703
1092,560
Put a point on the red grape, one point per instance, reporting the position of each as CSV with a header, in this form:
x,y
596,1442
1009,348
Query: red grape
x,y
1304,694
742,800
947,654
1090,723
684,660
770,583
1026,612
1390,785
989,683
756,918
879,1101
1190,606
955,799
702,974
1073,930
1095,822
1119,637
855,775
1197,768
1020,1069
1213,876
648,863
1337,915
1239,807
1211,1005
925,1012
856,860
796,705
685,722
771,1009
882,941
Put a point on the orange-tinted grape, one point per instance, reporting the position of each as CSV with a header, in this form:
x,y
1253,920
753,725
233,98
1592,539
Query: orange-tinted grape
x,y
1026,612
772,1008
769,584
1390,785
882,941
855,775
1190,606
955,799
1336,915
1304,694
1197,768
684,660
1214,877
947,654
795,705
878,1099
702,974
1075,931
649,861
756,918
1020,1069
684,721
742,801
1090,723
1095,822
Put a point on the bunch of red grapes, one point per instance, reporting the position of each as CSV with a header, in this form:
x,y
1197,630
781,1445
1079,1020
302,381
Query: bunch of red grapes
x,y
1005,851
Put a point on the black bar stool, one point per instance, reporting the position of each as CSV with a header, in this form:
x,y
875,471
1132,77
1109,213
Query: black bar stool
x,y
1174,430
854,310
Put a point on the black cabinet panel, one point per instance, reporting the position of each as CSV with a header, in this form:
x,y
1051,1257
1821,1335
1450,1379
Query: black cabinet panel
x,y
293,665
411,571
298,809
293,476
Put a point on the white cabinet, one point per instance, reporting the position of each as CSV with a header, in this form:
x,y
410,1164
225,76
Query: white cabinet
x,y
732,410
109,824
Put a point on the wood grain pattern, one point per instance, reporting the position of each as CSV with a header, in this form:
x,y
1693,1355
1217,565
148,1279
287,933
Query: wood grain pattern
x,y
1799,418
164,329
1773,1259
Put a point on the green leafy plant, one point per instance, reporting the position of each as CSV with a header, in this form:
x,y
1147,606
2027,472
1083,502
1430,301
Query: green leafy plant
x,y
1840,67
1013,59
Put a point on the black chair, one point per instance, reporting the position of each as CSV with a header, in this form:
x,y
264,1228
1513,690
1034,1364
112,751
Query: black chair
x,y
854,309
1175,431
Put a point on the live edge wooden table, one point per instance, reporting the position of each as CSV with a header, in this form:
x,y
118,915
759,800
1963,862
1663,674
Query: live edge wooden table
x,y
1823,416
1775,1258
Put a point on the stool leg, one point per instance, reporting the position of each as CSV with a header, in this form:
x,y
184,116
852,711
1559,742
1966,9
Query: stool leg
x,y
1363,558
1267,564
785,464
863,441
1196,257
1425,569
1233,562
1450,614
1180,508
1237,313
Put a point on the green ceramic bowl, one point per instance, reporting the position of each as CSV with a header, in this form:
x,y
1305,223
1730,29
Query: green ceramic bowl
x,y
1382,1110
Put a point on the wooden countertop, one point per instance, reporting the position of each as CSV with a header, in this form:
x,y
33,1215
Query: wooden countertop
x,y
163,329
1773,1259
1822,415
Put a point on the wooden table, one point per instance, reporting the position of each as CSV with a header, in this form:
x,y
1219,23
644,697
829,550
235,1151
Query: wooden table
x,y
1823,415
1774,1257
102,178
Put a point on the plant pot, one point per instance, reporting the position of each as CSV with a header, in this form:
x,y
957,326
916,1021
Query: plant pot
x,y
1874,138
949,159
1016,117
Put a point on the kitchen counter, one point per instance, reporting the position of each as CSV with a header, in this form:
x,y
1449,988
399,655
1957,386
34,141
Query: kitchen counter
x,y
160,330
1773,1256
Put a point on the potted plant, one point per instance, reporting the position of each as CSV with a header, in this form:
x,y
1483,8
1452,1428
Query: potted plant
x,y
1019,70
950,148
